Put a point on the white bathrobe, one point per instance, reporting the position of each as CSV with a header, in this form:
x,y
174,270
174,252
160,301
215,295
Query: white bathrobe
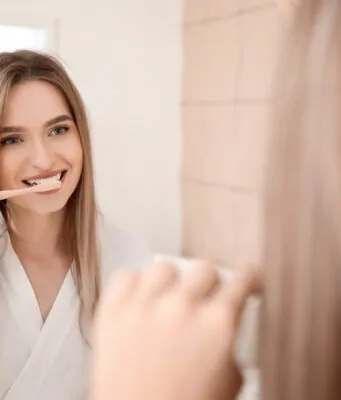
x,y
49,361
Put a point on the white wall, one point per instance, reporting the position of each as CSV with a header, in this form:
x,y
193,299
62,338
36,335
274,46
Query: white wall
x,y
125,57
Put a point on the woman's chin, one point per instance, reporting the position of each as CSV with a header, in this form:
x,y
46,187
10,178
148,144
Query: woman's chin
x,y
42,207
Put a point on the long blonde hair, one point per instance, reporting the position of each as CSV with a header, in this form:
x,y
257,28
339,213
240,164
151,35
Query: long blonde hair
x,y
301,326
80,228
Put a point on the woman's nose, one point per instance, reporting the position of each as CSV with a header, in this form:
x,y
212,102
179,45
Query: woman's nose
x,y
41,155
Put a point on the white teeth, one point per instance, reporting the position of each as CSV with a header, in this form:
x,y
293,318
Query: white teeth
x,y
45,180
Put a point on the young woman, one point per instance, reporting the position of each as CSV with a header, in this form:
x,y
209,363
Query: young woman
x,y
188,326
55,252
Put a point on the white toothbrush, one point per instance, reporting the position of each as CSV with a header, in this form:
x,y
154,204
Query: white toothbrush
x,y
43,187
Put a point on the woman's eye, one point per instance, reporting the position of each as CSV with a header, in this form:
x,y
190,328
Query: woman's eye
x,y
10,140
59,130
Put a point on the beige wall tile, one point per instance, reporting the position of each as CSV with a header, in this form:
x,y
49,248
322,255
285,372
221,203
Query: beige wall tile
x,y
193,61
226,8
224,143
193,139
211,59
201,10
248,228
194,10
207,150
261,40
250,143
256,3
207,219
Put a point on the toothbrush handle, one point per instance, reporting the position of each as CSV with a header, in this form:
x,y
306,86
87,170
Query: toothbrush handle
x,y
7,194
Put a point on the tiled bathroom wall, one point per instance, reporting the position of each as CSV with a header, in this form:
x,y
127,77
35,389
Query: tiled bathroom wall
x,y
230,53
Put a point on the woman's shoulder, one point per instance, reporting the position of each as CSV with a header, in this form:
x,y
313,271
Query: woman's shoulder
x,y
119,248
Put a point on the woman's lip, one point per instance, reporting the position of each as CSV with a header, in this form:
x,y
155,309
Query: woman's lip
x,y
61,179
44,176
49,192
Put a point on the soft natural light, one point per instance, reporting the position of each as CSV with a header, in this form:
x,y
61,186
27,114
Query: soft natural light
x,y
18,38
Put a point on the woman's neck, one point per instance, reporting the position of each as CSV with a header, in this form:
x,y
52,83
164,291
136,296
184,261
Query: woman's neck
x,y
37,236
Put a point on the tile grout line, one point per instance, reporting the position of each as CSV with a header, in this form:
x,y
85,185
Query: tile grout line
x,y
217,103
221,186
237,88
228,17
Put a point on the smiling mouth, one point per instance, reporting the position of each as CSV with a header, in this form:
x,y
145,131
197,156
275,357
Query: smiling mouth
x,y
54,178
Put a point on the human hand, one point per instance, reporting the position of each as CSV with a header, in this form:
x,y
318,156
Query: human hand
x,y
162,335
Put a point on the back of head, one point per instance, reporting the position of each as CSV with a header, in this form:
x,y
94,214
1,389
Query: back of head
x,y
301,330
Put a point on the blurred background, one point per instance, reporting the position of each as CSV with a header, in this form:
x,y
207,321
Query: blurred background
x,y
178,94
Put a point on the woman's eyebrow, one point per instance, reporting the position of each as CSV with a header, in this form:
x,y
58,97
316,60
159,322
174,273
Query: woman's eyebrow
x,y
55,120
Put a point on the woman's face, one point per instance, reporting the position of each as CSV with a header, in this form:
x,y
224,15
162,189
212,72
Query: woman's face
x,y
39,140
